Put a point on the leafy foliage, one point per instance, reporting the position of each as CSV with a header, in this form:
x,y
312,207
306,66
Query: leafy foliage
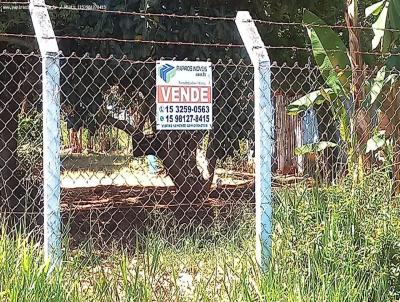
x,y
95,24
314,148
330,54
388,12
376,142
30,139
312,99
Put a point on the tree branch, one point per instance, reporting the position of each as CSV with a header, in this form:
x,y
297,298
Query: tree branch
x,y
121,125
142,144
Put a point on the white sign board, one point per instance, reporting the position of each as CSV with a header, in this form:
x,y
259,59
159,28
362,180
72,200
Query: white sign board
x,y
184,95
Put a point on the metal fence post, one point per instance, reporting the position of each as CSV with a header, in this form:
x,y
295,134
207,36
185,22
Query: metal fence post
x,y
51,129
264,125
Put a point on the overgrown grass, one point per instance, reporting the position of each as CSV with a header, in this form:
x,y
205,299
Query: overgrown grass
x,y
329,244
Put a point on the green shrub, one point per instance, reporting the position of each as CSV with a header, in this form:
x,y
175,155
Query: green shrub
x,y
30,138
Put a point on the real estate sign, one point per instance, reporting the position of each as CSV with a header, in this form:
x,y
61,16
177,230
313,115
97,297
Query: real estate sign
x,y
184,95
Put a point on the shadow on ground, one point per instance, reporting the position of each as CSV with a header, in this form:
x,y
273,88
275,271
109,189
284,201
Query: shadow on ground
x,y
112,215
116,216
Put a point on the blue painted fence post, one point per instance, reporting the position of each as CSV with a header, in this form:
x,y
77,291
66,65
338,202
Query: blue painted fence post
x,y
51,130
264,138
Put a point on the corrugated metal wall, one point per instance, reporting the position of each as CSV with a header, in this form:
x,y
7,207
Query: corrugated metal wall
x,y
290,132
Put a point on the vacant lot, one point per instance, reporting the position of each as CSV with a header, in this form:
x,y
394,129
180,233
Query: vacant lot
x,y
329,244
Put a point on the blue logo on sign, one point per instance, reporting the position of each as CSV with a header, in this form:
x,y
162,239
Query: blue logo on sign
x,y
167,72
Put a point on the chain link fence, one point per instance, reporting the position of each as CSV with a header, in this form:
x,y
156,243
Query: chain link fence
x,y
110,192
123,181
121,176
109,189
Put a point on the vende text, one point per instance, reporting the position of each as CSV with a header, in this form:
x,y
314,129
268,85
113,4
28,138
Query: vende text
x,y
184,94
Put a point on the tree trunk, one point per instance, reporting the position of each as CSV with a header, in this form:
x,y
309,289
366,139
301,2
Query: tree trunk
x,y
178,151
360,118
8,151
19,81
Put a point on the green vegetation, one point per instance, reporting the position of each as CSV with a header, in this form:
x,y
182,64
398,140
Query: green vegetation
x,y
92,24
30,140
351,110
329,244
107,139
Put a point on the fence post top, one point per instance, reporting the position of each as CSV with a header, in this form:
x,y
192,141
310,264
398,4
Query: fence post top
x,y
37,3
244,16
251,38
43,28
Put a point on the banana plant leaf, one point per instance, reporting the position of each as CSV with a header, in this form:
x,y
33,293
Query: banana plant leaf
x,y
330,54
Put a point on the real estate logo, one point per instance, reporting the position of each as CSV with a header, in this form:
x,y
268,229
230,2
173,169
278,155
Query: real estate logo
x,y
167,72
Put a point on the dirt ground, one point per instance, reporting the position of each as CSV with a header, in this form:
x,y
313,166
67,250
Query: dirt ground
x,y
117,214
109,200
112,198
